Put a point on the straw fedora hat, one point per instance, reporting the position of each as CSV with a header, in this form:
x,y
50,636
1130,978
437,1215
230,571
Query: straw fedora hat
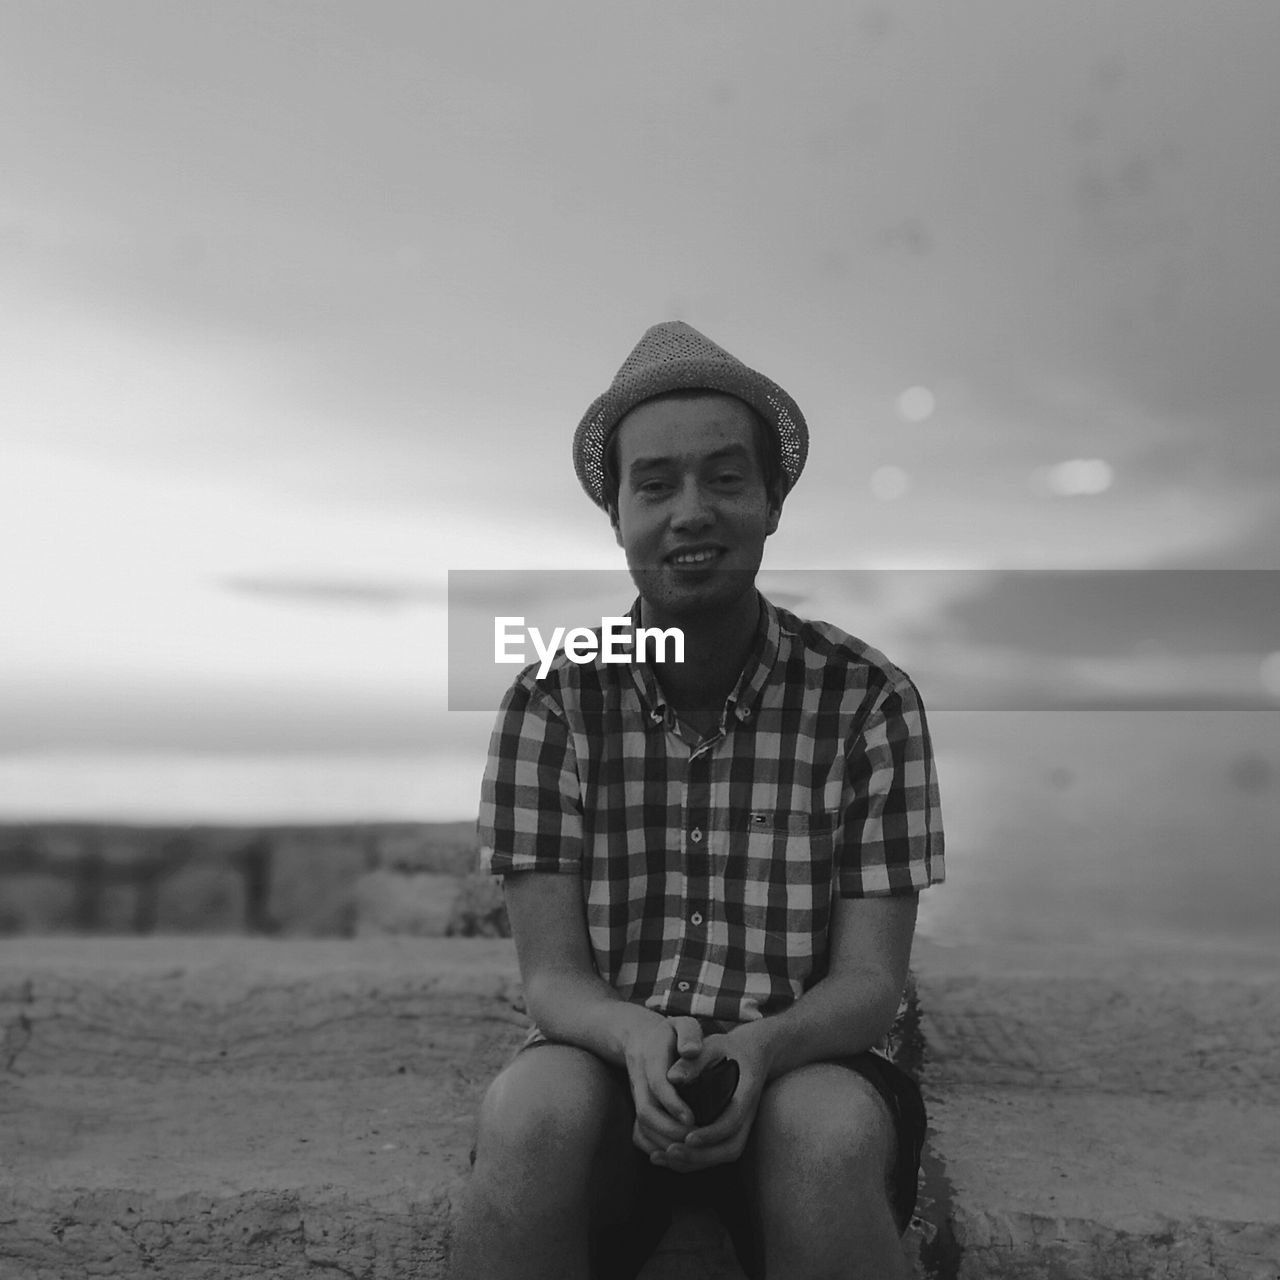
x,y
674,356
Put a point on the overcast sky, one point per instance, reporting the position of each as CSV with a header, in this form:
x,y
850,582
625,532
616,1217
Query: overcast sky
x,y
300,303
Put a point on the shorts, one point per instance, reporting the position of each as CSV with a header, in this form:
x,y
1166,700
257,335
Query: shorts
x,y
620,1251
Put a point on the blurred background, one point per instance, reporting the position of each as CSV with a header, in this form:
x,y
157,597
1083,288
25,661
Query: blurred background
x,y
299,306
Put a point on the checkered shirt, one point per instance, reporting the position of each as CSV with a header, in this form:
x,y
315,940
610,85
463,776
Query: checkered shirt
x,y
709,867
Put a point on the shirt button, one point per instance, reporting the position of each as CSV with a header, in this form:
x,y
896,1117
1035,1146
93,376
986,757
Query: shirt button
x,y
696,835
682,986
744,713
696,918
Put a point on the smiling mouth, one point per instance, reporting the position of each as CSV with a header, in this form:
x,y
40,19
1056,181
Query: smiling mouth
x,y
694,559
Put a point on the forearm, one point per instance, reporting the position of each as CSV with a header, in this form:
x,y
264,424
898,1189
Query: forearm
x,y
837,1017
852,1008
563,991
582,1009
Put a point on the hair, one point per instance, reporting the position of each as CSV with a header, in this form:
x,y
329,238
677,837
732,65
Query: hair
x,y
768,454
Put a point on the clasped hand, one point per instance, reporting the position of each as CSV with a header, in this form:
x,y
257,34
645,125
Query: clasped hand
x,y
675,1051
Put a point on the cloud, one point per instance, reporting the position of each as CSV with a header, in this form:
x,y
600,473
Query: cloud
x,y
1112,613
340,592
131,712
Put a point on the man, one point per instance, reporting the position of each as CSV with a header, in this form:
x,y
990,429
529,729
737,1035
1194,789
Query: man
x,y
707,859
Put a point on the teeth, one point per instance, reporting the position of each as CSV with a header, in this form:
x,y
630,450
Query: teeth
x,y
692,557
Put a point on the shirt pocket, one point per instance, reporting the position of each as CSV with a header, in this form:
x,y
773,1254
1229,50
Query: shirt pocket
x,y
786,888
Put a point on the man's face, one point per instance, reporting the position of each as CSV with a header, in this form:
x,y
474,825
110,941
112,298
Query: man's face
x,y
692,512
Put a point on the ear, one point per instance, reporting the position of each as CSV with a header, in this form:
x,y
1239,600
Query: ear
x,y
613,521
773,515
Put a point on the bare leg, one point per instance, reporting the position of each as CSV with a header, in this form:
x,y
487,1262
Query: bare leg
x,y
553,1152
823,1147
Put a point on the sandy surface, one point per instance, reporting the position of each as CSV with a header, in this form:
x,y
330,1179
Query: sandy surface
x,y
201,1107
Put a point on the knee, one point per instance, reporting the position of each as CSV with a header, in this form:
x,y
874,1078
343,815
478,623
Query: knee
x,y
550,1105
823,1156
825,1126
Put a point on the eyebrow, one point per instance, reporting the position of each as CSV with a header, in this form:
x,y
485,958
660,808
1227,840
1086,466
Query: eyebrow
x,y
719,455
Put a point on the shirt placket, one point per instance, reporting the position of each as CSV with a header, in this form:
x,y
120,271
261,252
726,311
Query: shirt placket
x,y
695,905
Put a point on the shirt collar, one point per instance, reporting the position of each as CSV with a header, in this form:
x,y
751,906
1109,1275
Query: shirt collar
x,y
760,662
651,696
755,671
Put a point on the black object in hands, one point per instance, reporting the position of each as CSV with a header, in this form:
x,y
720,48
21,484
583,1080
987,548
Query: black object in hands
x,y
707,1094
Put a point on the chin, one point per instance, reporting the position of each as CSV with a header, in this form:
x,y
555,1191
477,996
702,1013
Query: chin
x,y
712,596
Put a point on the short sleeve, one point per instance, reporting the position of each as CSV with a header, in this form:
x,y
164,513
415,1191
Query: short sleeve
x,y
890,836
530,803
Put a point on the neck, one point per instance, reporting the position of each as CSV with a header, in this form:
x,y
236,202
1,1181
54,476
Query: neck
x,y
715,649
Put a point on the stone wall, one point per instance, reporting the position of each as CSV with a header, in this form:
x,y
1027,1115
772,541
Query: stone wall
x,y
339,880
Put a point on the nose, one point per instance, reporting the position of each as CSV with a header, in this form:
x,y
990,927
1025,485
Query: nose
x,y
692,509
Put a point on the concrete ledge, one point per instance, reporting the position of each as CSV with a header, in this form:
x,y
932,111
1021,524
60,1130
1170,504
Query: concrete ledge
x,y
1101,1113
230,1177
231,1107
